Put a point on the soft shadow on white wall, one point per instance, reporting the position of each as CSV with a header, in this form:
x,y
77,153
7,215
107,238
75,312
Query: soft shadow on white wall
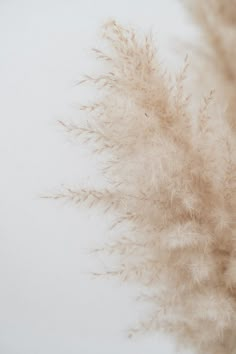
x,y
48,302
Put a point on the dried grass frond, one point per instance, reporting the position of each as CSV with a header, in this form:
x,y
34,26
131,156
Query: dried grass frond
x,y
172,185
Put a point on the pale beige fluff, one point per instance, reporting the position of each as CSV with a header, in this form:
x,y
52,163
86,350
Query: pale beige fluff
x,y
216,50
172,185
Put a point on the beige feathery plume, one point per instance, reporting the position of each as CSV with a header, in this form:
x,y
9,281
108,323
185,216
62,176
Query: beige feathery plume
x,y
173,186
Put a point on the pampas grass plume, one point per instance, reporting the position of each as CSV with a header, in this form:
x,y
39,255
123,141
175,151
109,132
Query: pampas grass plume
x,y
171,183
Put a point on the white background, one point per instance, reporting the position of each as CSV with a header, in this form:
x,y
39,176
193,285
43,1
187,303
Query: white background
x,y
48,302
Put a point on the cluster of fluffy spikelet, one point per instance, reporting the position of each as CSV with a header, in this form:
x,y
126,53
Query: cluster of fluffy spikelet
x,y
173,182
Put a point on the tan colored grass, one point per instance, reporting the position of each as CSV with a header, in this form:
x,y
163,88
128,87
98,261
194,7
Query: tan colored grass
x,y
172,185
